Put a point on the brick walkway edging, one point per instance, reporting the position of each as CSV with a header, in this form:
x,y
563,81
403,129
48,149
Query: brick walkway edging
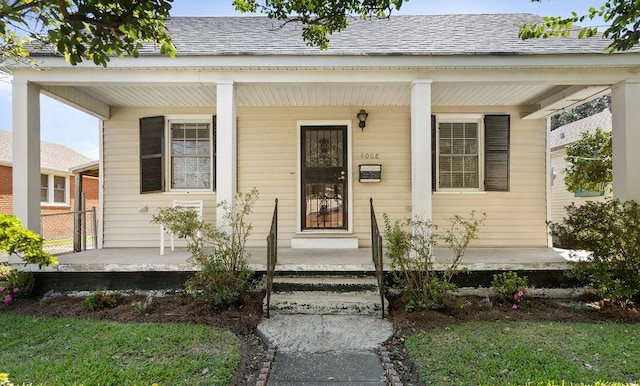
x,y
266,366
393,379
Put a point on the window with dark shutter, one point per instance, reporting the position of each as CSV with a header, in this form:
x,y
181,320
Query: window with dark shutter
x,y
152,154
496,155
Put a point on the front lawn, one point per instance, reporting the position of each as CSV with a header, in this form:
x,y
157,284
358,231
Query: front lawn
x,y
64,351
527,353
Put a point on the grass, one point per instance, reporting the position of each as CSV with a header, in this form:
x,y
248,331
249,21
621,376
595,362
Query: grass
x,y
528,353
63,242
64,351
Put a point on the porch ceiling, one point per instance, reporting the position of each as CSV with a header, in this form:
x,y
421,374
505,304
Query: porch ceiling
x,y
322,94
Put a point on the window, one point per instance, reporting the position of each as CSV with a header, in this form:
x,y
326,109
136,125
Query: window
x,y
190,155
470,152
53,189
590,193
459,152
185,162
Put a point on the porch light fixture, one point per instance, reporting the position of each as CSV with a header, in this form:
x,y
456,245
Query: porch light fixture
x,y
362,117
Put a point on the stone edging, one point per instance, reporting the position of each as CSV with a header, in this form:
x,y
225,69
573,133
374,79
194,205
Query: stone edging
x,y
266,366
393,379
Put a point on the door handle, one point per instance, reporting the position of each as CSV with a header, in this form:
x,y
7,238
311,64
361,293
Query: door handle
x,y
342,175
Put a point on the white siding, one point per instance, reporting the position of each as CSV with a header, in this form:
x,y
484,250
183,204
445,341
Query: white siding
x,y
124,225
267,160
516,218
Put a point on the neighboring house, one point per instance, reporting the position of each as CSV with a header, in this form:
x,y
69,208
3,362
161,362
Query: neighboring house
x,y
457,121
558,140
57,183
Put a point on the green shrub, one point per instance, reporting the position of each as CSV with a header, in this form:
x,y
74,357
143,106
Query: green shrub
x,y
410,246
143,307
22,242
611,231
100,300
509,288
223,278
24,281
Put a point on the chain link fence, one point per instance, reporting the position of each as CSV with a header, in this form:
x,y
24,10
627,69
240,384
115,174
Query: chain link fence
x,y
67,232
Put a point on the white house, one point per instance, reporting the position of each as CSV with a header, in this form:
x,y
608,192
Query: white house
x,y
558,141
456,104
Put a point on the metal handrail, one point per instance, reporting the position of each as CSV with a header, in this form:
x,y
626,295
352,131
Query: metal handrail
x,y
272,254
376,254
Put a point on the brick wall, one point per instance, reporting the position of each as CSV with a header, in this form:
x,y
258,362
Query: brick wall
x,y
53,226
6,188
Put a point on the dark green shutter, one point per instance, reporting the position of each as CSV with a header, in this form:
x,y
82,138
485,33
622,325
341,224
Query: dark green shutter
x,y
151,154
496,152
433,152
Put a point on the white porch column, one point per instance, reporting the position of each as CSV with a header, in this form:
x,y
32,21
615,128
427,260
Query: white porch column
x,y
421,149
226,145
625,114
26,153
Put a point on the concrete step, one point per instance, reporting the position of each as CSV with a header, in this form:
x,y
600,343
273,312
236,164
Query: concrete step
x,y
327,302
324,283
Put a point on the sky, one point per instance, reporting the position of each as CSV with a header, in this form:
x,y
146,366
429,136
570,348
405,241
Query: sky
x,y
79,131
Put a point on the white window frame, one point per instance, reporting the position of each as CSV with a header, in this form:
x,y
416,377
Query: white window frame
x,y
461,118
50,190
178,119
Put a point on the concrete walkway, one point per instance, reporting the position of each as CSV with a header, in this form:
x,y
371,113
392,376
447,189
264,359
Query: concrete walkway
x,y
325,349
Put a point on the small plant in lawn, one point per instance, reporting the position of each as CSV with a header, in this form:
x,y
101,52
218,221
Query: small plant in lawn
x,y
610,230
410,246
143,307
223,278
509,288
99,300
4,380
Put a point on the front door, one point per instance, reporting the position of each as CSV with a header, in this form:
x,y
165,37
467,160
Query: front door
x,y
324,177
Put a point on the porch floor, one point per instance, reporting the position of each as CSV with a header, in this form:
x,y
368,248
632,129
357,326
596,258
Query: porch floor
x,y
299,260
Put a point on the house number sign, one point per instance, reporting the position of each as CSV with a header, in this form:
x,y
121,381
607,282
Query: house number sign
x,y
369,155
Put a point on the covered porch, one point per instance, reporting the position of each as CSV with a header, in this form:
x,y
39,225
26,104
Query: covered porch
x,y
451,129
301,260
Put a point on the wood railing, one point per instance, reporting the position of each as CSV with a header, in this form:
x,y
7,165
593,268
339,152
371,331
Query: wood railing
x,y
272,254
376,254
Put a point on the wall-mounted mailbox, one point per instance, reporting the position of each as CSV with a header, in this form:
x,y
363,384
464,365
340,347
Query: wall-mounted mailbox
x,y
370,173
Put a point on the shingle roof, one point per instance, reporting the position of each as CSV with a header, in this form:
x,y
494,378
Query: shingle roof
x,y
472,34
53,156
400,35
570,132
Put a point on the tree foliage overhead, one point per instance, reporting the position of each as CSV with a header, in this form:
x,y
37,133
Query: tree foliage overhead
x,y
83,29
320,18
584,110
589,162
622,18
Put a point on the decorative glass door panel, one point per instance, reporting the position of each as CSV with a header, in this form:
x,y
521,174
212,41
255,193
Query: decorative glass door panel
x,y
324,177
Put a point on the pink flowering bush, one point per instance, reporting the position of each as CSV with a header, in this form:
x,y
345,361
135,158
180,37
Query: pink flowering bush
x,y
8,293
509,288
